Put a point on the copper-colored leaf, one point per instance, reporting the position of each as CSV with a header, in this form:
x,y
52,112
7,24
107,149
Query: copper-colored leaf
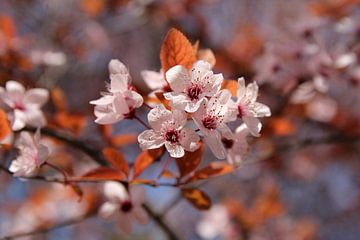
x,y
190,161
103,173
73,122
231,85
124,139
93,7
116,159
197,198
7,27
212,170
144,160
58,99
176,50
5,129
144,181
282,126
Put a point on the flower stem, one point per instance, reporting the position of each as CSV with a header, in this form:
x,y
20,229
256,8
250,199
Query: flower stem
x,y
59,170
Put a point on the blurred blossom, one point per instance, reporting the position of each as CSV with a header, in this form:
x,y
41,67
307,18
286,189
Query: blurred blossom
x,y
322,109
49,58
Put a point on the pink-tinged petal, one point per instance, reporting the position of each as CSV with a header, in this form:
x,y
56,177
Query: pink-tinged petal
x,y
105,100
120,105
18,120
193,106
304,93
115,67
225,131
36,96
253,125
175,151
177,100
232,111
179,118
35,117
22,167
43,154
219,103
109,210
154,80
214,85
25,141
149,139
241,88
14,87
140,215
119,82
177,78
261,110
202,64
133,99
125,223
115,191
189,139
107,118
214,142
157,116
252,92
137,194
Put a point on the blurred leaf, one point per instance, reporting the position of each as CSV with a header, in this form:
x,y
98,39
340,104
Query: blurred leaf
x,y
167,174
7,27
212,170
144,181
176,50
93,7
117,160
282,126
123,139
197,198
231,85
103,173
58,99
72,122
145,159
5,129
190,161
334,8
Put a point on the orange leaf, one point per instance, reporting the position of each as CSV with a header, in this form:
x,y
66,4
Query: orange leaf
x,y
197,198
124,139
231,85
93,7
176,50
7,27
212,170
144,181
116,159
145,159
103,173
282,126
5,129
190,161
73,122
58,99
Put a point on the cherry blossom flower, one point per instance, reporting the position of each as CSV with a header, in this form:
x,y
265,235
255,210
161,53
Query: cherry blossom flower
x,y
25,105
123,205
238,147
211,118
191,88
247,107
168,128
32,155
121,100
154,80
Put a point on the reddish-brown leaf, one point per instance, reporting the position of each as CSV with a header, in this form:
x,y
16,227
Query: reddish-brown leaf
x,y
123,139
58,99
144,160
72,122
117,160
231,85
103,173
93,7
176,50
212,170
282,126
197,198
7,27
5,129
144,181
190,161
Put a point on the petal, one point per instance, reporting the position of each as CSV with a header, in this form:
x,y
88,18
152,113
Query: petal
x,y
214,85
119,82
35,117
125,223
120,105
189,139
18,120
214,142
177,100
241,89
202,64
253,125
108,118
177,78
179,117
115,67
175,151
150,140
157,116
133,99
108,210
14,87
43,154
252,92
36,96
105,100
115,191
154,80
225,131
25,141
193,106
137,194
140,215
261,110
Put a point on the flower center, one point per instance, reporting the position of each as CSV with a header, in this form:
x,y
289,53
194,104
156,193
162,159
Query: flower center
x,y
19,106
241,110
194,91
209,122
228,143
126,206
172,136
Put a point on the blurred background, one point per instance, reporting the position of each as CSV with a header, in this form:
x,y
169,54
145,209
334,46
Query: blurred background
x,y
301,179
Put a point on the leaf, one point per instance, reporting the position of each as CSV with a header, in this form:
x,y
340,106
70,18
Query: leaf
x,y
5,129
212,170
282,126
190,161
72,122
123,139
176,50
197,198
117,160
206,55
7,27
103,173
144,160
143,181
93,7
58,98
160,96
231,85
